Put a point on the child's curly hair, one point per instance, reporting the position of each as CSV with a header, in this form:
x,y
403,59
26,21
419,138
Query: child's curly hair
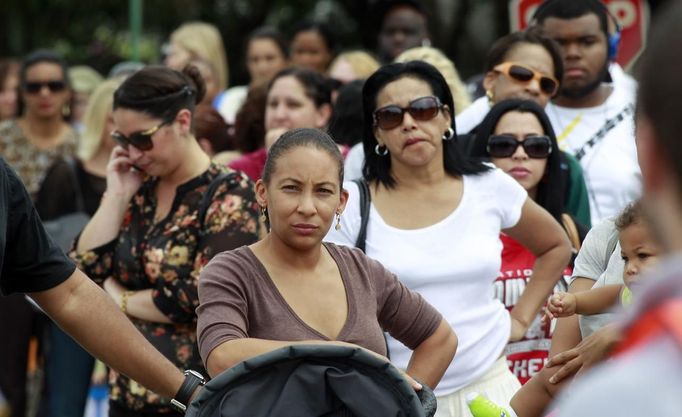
x,y
630,215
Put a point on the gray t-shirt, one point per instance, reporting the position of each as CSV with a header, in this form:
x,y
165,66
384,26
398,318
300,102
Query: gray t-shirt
x,y
599,259
238,299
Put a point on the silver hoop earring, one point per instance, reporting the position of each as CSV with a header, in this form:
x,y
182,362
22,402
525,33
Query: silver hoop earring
x,y
449,134
380,150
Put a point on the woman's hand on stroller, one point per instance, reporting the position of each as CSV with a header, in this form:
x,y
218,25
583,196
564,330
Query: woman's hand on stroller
x,y
413,382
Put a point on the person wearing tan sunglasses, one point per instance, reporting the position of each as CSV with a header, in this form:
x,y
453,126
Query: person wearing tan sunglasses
x,y
521,65
528,66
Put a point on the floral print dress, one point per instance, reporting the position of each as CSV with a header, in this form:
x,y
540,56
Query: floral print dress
x,y
167,257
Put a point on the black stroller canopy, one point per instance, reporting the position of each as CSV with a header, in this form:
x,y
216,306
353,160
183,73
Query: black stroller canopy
x,y
312,381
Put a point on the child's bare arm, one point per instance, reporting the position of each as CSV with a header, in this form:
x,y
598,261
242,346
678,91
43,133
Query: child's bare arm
x,y
593,301
597,300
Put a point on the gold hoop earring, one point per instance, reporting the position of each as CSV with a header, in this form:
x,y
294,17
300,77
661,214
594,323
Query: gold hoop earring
x,y
491,97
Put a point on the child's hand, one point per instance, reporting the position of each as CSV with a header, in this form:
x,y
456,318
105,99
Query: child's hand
x,y
561,304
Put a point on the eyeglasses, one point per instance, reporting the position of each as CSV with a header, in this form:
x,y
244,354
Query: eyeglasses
x,y
521,73
504,146
34,87
422,109
141,140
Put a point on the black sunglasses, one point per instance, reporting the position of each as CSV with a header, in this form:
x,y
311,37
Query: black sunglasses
x,y
55,86
142,140
422,109
504,146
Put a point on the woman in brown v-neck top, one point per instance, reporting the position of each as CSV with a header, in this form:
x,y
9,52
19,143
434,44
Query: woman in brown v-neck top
x,y
289,288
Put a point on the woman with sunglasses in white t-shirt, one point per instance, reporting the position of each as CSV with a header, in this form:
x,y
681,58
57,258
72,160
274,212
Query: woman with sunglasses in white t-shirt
x,y
435,220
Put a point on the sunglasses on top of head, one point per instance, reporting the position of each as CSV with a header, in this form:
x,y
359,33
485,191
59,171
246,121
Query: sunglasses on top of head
x,y
141,140
504,146
521,73
34,87
422,109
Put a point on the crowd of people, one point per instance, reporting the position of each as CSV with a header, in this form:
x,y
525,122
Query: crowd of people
x,y
488,247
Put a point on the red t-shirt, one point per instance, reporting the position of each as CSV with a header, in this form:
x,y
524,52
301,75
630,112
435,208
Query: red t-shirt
x,y
527,356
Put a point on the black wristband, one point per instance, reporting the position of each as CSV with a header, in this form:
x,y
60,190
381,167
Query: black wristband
x,y
193,379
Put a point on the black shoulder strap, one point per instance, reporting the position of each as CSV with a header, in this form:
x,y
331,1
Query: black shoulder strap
x,y
365,202
73,173
207,198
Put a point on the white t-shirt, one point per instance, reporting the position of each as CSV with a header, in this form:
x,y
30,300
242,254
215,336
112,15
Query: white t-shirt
x,y
352,166
230,102
610,167
621,79
453,265
472,116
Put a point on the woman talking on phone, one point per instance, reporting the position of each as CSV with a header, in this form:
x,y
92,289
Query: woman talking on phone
x,y
166,211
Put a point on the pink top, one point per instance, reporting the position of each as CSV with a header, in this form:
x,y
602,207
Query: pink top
x,y
238,299
251,163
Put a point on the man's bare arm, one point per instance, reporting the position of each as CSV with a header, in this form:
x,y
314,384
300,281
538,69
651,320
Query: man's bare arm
x,y
90,316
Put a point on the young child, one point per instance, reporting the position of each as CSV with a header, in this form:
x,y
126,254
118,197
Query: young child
x,y
639,251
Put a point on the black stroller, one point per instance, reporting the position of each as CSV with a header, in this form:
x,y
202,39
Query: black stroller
x,y
312,381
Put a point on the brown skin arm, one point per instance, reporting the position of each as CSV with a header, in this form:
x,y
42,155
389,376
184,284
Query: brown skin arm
x,y
428,363
590,351
552,250
232,352
432,357
537,394
597,300
90,316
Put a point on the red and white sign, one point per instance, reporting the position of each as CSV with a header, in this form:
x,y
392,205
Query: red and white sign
x,y
632,15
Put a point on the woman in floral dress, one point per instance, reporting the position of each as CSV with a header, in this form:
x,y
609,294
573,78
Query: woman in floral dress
x,y
166,211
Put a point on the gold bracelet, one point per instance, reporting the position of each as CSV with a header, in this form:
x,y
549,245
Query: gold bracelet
x,y
124,301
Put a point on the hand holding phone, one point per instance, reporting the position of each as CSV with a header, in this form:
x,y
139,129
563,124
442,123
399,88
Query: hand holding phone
x,y
123,177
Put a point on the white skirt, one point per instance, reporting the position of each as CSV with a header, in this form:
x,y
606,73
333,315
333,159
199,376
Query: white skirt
x,y
498,384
